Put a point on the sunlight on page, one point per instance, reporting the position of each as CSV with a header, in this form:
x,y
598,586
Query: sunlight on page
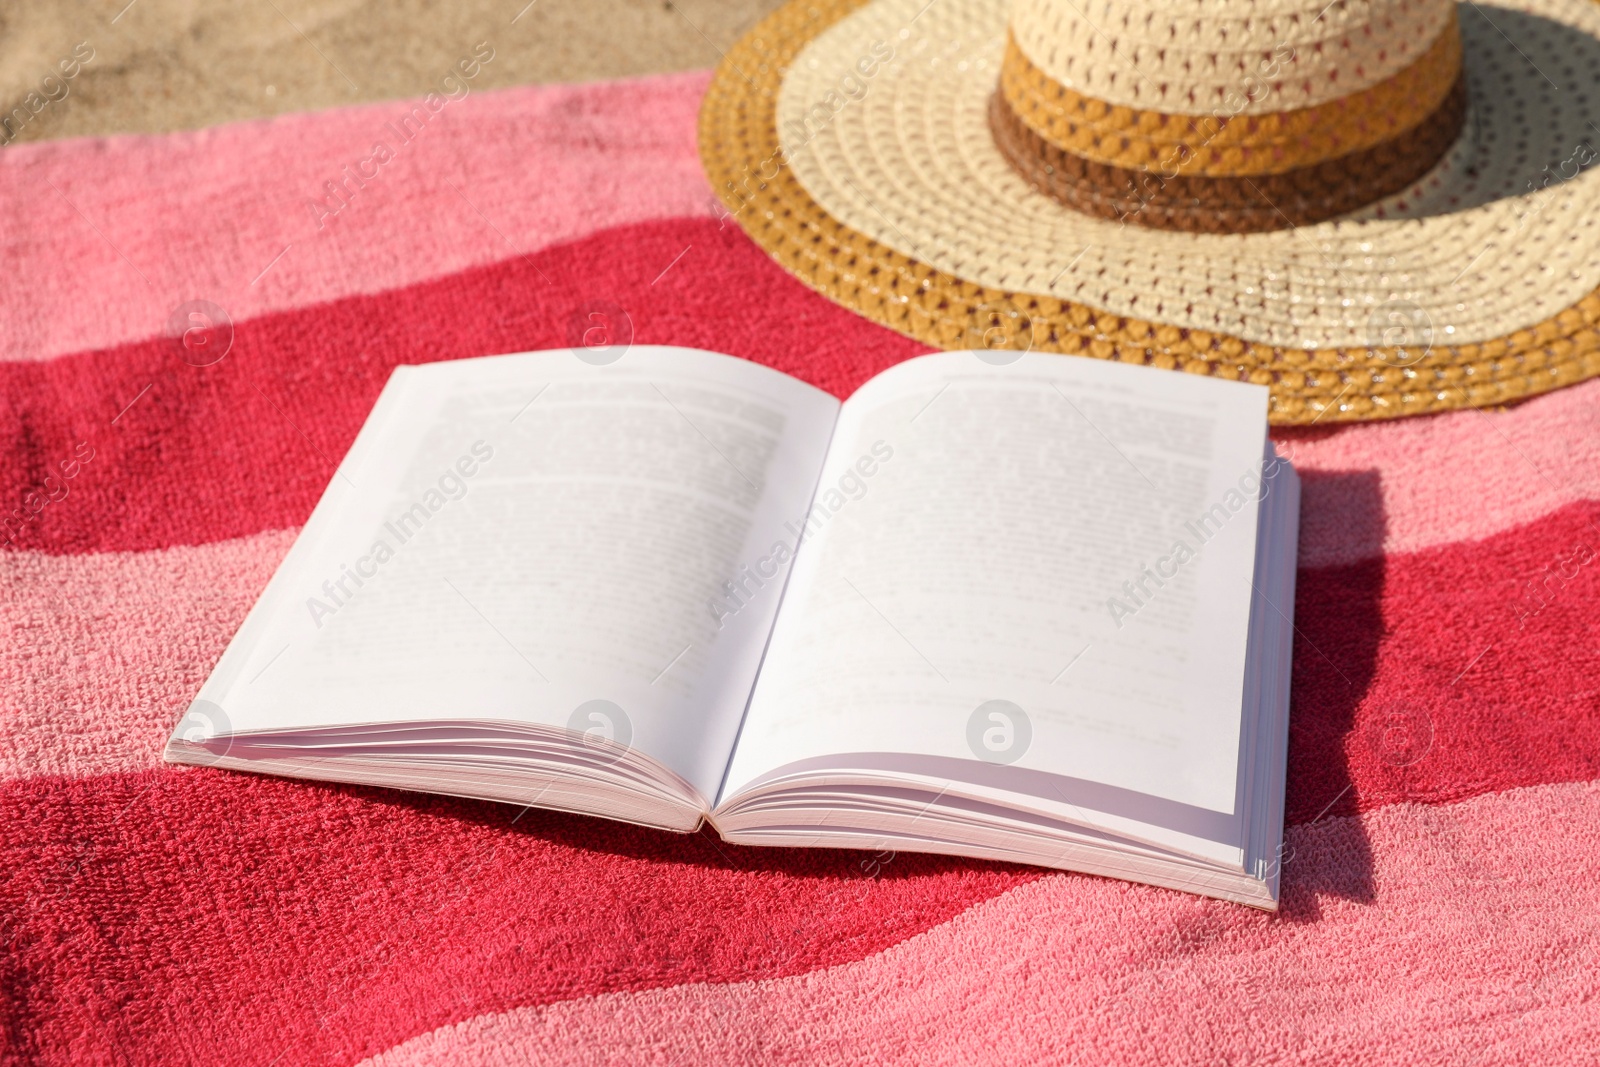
x,y
519,537
1008,551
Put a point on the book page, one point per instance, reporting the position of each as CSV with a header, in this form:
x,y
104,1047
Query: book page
x,y
520,538
1046,564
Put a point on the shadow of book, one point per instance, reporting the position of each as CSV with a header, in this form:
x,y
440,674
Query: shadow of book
x,y
1339,629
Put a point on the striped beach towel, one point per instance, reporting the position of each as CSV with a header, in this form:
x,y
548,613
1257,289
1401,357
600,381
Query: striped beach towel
x,y
1441,886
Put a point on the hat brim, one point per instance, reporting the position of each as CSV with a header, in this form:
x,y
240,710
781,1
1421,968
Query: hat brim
x,y
895,202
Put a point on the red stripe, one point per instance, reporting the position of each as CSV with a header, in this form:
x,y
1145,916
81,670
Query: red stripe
x,y
1437,675
218,917
249,444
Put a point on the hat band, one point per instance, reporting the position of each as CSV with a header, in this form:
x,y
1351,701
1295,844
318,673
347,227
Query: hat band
x,y
1242,204
1226,141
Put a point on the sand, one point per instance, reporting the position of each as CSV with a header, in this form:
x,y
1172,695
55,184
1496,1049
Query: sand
x,y
73,68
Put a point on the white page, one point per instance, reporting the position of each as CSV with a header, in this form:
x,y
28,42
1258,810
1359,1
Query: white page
x,y
586,518
980,563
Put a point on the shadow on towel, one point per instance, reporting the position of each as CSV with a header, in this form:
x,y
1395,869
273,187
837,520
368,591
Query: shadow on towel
x,y
1338,631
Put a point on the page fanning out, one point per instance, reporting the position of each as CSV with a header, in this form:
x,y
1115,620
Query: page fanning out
x,y
1045,564
515,537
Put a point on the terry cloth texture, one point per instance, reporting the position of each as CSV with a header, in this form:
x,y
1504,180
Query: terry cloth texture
x,y
1442,866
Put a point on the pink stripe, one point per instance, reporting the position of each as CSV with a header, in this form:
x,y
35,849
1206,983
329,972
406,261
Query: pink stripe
x,y
105,237
1410,936
100,653
1403,486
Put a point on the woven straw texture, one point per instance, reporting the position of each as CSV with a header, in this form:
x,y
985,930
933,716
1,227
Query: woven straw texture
x,y
889,195
1188,57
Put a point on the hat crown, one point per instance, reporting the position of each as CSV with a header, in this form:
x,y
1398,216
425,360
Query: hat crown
x,y
1228,115
1194,56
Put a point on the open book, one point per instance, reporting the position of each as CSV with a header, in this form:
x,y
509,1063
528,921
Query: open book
x,y
1036,612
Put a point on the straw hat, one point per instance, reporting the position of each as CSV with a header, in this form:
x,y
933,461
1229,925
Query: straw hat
x,y
1376,207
